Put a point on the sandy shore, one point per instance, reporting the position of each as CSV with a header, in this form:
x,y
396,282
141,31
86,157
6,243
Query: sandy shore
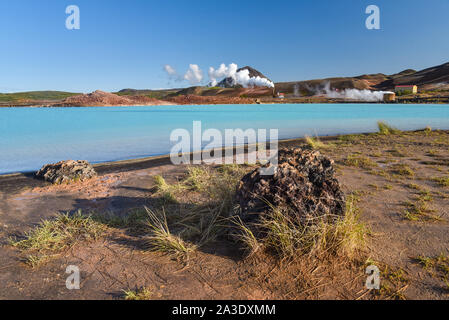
x,y
388,174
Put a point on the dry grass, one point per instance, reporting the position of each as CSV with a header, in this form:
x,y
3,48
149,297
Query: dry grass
x,y
437,266
386,129
402,170
317,144
165,190
161,239
327,236
180,228
55,235
441,181
394,283
360,161
139,294
420,211
61,233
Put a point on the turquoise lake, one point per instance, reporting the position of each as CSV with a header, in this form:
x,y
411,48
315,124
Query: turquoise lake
x,y
32,137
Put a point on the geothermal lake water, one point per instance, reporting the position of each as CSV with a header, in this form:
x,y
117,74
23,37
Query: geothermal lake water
x,y
32,137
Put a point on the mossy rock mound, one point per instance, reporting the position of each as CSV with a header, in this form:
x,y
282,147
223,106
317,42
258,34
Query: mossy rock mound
x,y
304,184
66,171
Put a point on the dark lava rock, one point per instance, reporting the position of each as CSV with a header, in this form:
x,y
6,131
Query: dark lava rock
x,y
304,184
66,171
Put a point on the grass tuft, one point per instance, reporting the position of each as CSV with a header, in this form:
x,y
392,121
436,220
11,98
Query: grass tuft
x,y
167,191
359,161
419,211
287,238
437,266
139,294
316,143
403,170
442,181
386,129
161,239
61,233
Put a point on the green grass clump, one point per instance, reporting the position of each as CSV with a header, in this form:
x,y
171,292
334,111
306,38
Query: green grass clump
x,y
161,239
167,191
414,186
442,181
403,170
386,129
35,261
316,143
61,233
139,294
360,161
198,178
437,266
419,211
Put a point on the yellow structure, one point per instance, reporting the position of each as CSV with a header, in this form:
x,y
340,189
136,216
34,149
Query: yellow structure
x,y
389,96
406,89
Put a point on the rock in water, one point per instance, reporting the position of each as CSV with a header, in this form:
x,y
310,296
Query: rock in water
x,y
304,183
66,171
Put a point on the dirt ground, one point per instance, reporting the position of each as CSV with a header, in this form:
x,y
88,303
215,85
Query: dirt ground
x,y
402,197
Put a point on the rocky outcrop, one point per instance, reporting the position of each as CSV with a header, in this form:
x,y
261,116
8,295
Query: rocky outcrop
x,y
304,183
66,171
102,99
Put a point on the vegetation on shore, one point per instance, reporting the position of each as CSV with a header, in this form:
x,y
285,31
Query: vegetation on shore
x,y
35,95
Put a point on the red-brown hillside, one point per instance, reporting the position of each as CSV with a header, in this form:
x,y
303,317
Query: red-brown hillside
x,y
102,99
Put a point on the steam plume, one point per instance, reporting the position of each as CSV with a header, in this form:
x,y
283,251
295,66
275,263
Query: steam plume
x,y
353,94
194,74
242,77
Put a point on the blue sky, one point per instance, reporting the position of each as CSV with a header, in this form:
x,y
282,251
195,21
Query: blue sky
x,y
125,44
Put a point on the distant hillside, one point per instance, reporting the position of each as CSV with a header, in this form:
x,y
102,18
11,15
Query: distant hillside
x,y
34,95
155,94
102,99
431,81
427,79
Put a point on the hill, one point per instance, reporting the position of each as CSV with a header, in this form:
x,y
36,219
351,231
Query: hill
x,y
102,99
34,95
432,80
428,79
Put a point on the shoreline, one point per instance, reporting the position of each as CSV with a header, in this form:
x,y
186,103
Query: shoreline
x,y
387,177
225,104
27,177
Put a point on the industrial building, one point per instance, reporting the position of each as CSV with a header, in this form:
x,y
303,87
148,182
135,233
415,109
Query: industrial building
x,y
406,89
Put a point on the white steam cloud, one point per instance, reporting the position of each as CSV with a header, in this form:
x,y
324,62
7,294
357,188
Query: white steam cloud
x,y
242,77
353,94
194,75
222,72
170,70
